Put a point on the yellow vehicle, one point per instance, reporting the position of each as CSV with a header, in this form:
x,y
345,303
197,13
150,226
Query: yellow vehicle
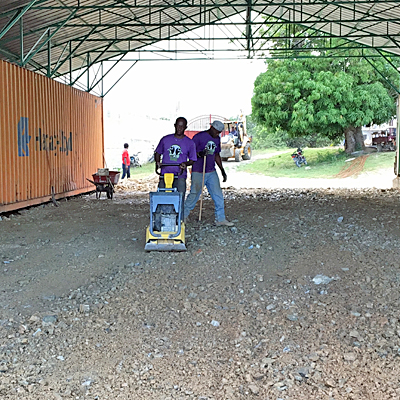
x,y
235,143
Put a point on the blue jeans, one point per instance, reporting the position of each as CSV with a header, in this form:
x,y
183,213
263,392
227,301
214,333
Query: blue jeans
x,y
126,171
211,181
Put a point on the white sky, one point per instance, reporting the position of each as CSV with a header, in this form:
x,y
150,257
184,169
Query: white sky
x,y
190,88
167,89
185,88
154,89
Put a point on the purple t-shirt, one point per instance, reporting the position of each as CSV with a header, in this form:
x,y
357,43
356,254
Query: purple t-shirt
x,y
204,140
176,151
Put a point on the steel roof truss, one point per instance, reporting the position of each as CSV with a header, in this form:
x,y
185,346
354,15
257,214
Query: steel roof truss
x,y
29,56
97,32
17,17
52,73
386,58
73,51
175,25
121,77
103,75
152,38
396,89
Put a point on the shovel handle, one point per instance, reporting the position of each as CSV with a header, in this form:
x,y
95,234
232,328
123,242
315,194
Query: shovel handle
x,y
202,186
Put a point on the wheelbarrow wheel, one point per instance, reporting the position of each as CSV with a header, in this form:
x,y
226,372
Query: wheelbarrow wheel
x,y
109,192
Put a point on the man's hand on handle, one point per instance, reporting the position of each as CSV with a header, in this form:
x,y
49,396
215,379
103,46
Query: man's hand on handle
x,y
202,153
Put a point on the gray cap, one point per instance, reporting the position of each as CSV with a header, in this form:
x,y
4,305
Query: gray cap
x,y
218,125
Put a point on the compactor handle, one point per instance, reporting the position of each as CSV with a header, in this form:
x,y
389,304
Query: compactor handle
x,y
168,165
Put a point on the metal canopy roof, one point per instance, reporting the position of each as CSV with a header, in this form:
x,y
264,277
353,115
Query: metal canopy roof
x,y
58,37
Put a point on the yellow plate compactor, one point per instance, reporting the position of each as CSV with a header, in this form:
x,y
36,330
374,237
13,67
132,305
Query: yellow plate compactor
x,y
167,230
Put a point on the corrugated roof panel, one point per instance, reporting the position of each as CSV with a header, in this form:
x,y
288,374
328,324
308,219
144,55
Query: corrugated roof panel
x,y
362,20
108,27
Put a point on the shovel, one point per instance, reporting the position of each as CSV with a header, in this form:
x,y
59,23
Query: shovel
x,y
202,186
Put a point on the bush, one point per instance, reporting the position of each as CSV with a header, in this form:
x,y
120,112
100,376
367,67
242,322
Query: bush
x,y
276,140
311,141
264,138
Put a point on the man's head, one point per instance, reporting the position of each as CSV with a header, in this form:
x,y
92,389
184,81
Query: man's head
x,y
216,128
180,126
126,145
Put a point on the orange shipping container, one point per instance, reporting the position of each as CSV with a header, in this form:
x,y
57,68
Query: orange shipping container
x,y
51,138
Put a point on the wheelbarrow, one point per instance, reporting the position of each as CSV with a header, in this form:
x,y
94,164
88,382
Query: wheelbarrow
x,y
105,183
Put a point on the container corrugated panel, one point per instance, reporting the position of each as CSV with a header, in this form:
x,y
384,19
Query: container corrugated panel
x,y
51,138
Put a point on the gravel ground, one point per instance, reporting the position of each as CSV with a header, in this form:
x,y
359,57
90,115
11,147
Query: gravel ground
x,y
299,300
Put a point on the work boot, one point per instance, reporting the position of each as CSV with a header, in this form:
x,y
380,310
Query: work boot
x,y
225,222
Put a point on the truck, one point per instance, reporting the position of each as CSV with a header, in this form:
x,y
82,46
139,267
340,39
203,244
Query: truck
x,y
384,140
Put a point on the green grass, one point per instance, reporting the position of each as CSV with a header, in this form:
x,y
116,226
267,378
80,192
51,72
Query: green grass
x,y
259,152
142,172
380,160
323,163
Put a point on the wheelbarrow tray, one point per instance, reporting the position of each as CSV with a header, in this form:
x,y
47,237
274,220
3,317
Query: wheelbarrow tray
x,y
113,177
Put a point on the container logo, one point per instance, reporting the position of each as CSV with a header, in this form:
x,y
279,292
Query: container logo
x,y
23,137
58,142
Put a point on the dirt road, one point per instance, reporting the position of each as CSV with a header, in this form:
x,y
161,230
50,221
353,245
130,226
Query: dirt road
x,y
87,314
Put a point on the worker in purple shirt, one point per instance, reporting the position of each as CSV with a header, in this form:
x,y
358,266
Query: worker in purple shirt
x,y
176,148
208,147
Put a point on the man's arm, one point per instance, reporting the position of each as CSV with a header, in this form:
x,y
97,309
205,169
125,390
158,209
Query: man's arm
x,y
191,155
157,159
218,161
186,164
158,151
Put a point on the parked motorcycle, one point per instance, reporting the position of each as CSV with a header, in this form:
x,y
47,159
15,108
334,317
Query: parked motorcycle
x,y
151,158
298,158
135,162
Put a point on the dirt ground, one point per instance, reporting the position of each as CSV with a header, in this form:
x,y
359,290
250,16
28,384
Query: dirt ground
x,y
299,300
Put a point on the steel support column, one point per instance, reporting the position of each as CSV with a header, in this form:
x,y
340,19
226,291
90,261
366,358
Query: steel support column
x,y
21,39
102,79
49,55
249,38
87,71
397,169
70,64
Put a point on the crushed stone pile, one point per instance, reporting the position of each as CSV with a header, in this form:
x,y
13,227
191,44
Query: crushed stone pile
x,y
148,184
299,300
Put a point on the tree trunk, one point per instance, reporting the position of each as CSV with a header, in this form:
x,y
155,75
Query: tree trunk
x,y
354,139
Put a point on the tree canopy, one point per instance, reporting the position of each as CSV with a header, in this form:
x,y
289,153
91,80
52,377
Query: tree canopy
x,y
329,96
305,96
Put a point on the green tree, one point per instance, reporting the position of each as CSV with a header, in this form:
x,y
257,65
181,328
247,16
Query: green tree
x,y
329,96
266,138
